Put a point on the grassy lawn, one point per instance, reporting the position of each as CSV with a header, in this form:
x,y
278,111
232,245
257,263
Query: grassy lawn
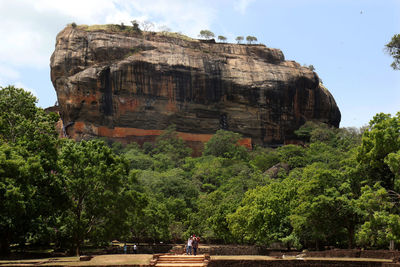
x,y
128,259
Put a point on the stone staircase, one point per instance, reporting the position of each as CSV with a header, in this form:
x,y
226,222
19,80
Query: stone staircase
x,y
180,260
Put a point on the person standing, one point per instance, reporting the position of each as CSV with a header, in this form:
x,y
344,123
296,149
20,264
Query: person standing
x,y
195,244
135,249
189,246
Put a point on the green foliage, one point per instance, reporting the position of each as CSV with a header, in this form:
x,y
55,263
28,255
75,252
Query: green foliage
x,y
378,141
97,187
135,26
172,146
222,38
293,155
239,39
263,216
380,225
263,159
251,39
393,49
340,189
206,34
225,144
29,188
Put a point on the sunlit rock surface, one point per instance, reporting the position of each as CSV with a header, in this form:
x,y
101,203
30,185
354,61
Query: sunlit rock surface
x,y
129,87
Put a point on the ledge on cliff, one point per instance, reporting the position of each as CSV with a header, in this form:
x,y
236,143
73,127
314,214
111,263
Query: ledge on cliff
x,y
116,83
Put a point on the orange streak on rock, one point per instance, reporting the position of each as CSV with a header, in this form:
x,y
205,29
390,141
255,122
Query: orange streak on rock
x,y
195,137
79,126
122,132
246,142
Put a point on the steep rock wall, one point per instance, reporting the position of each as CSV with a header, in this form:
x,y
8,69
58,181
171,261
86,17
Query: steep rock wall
x,y
130,86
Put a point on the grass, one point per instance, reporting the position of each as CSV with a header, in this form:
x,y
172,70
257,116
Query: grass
x,y
106,260
116,28
144,259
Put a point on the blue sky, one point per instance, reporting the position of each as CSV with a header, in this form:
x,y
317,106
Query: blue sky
x,y
343,39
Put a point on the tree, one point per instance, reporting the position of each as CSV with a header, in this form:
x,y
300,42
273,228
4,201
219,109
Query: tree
x,y
29,189
225,144
239,39
147,25
380,225
222,38
98,189
135,25
206,34
251,39
263,216
170,148
380,139
393,49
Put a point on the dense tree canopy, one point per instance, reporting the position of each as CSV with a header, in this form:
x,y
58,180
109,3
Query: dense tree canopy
x,y
340,188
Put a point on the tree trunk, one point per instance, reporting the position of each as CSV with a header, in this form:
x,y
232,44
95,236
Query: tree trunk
x,y
350,233
4,245
77,250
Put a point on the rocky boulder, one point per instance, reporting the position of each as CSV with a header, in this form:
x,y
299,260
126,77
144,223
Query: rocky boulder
x,y
129,86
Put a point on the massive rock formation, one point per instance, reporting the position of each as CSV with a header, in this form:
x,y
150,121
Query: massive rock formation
x,y
130,86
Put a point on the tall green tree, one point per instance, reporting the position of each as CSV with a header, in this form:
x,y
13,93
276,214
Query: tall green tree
x,y
263,216
393,49
29,190
97,186
381,224
378,141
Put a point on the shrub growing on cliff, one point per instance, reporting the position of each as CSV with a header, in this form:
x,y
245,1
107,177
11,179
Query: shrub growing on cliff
x,y
135,25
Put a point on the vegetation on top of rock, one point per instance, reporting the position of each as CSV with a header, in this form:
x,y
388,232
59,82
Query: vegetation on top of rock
x,y
222,38
393,49
239,39
250,39
206,34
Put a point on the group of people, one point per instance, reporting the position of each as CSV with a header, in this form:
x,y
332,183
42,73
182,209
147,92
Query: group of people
x,y
192,244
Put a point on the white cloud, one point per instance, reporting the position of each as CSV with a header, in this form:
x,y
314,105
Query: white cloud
x,y
7,74
241,5
29,28
26,88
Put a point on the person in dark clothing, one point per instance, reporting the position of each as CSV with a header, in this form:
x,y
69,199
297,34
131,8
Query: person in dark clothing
x,y
195,244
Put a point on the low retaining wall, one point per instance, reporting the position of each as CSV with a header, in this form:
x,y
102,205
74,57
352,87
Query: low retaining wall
x,y
297,263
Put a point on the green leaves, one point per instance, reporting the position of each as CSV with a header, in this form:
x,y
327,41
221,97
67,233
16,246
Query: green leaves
x,y
393,49
97,187
225,144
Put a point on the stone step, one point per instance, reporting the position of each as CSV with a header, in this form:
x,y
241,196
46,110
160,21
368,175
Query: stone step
x,y
181,260
180,264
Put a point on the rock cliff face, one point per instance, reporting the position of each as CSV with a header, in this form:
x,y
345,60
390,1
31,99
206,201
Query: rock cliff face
x,y
130,87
